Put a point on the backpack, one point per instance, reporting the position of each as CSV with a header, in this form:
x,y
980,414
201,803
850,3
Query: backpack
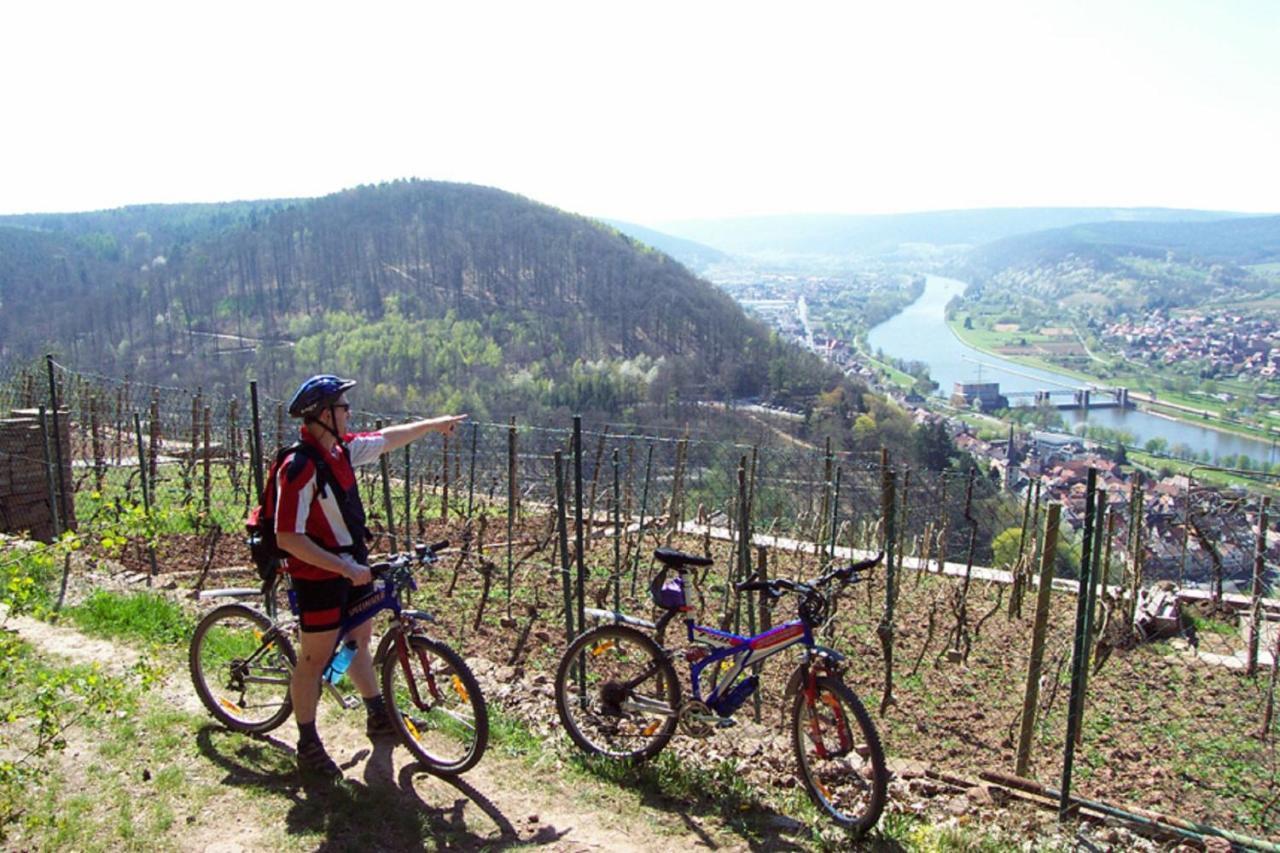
x,y
260,524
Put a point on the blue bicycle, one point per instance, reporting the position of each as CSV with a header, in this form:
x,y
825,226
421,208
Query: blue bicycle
x,y
241,662
618,695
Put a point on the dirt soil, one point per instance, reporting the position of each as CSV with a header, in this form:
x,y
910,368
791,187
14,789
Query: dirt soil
x,y
1154,734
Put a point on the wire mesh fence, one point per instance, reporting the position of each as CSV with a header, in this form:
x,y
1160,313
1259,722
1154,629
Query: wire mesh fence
x,y
946,639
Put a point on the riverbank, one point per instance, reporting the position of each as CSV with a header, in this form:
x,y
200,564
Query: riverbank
x,y
1207,416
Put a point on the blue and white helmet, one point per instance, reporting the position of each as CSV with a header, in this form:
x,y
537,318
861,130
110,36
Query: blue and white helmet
x,y
317,393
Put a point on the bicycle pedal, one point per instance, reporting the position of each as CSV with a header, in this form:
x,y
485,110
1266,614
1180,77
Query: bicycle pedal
x,y
726,723
351,702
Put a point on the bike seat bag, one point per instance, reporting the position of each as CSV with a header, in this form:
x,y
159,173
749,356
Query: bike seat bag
x,y
668,593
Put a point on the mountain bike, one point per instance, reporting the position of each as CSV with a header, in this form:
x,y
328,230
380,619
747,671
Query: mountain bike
x,y
618,695
242,660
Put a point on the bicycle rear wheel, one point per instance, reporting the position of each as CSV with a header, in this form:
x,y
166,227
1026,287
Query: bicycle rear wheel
x,y
435,703
839,754
623,703
241,665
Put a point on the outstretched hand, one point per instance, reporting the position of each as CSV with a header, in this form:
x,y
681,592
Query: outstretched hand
x,y
448,423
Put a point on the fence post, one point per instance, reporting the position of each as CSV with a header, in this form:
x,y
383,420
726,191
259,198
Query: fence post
x,y
1031,697
385,470
885,629
256,440
1080,649
644,503
1259,569
208,472
579,546
57,444
617,536
407,534
471,471
1015,590
99,453
562,528
154,434
835,518
49,476
444,480
1095,571
146,497
511,507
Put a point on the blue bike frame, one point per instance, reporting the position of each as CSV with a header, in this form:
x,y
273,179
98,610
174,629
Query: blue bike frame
x,y
739,652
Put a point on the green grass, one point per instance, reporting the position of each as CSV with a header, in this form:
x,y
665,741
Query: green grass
x,y
147,617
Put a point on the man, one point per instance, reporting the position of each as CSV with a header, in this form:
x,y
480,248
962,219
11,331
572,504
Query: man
x,y
314,518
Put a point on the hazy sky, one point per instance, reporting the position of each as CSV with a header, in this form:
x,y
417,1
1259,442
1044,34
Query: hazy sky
x,y
647,111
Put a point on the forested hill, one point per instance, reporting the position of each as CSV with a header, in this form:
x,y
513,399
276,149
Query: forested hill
x,y
1243,241
693,255
435,295
1117,267
865,235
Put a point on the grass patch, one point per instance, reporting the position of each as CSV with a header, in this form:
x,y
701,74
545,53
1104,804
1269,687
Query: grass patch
x,y
146,616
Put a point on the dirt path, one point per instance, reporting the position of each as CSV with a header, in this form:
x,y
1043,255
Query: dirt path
x,y
504,801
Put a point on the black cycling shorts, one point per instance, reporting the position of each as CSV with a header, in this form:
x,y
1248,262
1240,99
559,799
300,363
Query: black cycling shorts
x,y
321,603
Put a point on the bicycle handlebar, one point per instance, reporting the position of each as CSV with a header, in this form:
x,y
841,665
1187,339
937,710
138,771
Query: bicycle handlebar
x,y
778,586
425,554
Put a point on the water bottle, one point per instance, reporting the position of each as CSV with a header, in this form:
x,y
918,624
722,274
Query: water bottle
x,y
340,661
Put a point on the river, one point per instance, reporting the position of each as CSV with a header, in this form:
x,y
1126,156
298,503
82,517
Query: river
x,y
920,333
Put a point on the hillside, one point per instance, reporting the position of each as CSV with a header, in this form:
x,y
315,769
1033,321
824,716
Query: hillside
x,y
693,255
1121,266
434,294
876,235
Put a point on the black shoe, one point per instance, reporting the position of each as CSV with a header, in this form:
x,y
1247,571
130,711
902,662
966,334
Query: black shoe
x,y
314,761
379,725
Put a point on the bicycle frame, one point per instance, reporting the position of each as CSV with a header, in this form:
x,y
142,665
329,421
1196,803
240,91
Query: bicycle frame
x,y
740,652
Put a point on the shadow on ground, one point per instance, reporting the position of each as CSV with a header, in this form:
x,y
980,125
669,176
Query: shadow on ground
x,y
376,810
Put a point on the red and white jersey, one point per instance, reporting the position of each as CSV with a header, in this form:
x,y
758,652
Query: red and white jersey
x,y
302,507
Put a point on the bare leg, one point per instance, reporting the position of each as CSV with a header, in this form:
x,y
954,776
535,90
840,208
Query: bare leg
x,y
304,687
361,668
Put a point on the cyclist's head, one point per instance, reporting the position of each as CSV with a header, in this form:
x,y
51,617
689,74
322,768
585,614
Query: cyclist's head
x,y
318,395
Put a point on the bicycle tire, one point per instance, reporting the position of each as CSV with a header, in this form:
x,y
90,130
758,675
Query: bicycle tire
x,y
447,728
838,784
241,667
596,723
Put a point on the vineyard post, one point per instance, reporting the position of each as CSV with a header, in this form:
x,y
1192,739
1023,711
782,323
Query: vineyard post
x,y
1015,591
888,506
617,536
57,443
444,481
208,473
1136,507
256,441
99,455
824,516
1080,647
562,529
406,532
146,496
903,517
579,547
644,504
279,425
233,445
511,506
1095,571
49,476
119,442
385,470
1031,698
762,569
153,430
835,518
1259,570
471,471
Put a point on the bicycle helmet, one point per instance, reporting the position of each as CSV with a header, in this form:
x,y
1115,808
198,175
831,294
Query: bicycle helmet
x,y
316,393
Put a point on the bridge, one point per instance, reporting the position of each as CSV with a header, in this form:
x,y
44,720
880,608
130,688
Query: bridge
x,y
1084,397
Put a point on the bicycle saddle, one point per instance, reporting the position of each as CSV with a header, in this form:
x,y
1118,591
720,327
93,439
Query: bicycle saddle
x,y
672,557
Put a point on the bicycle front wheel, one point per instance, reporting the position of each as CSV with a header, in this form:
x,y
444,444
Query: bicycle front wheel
x,y
617,693
435,703
241,665
839,754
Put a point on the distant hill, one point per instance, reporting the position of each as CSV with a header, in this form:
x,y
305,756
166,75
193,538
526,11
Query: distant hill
x,y
695,256
1239,241
876,235
433,294
1117,267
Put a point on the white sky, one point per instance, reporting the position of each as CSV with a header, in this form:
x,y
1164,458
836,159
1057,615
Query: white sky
x,y
647,111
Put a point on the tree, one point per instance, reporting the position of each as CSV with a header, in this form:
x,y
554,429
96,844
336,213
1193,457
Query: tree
x,y
932,446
